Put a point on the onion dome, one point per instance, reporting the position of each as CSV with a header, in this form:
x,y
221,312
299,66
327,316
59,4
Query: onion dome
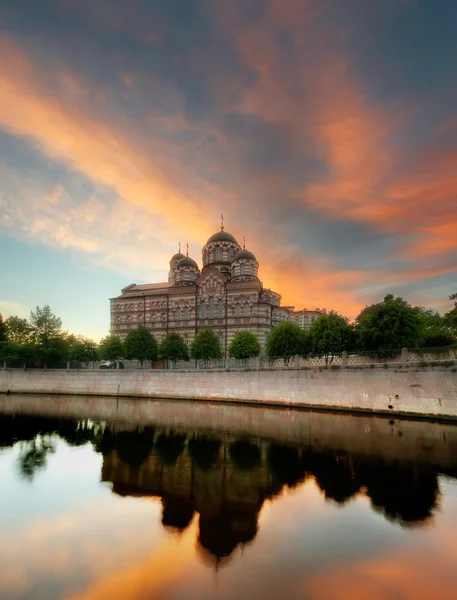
x,y
173,262
222,236
186,261
244,254
244,266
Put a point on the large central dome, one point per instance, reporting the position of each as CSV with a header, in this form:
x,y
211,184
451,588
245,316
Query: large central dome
x,y
222,236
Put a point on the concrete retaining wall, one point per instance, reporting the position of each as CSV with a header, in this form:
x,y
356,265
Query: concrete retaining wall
x,y
428,391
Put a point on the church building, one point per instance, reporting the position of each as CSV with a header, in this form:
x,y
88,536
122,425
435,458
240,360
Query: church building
x,y
226,295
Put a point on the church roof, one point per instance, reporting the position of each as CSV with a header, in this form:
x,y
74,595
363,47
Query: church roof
x,y
222,236
186,261
244,254
145,287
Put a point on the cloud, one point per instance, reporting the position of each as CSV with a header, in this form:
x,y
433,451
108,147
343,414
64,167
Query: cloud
x,y
264,110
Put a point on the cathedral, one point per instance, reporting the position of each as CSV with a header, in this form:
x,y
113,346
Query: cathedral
x,y
226,295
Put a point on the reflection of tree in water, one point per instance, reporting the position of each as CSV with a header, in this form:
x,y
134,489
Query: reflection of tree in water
x,y
33,456
228,505
169,447
204,451
244,454
76,433
286,464
406,496
334,476
134,447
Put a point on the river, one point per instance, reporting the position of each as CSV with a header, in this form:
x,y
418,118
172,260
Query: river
x,y
112,498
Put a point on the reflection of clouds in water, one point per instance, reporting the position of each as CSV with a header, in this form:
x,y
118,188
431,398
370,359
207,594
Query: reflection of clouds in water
x,y
120,546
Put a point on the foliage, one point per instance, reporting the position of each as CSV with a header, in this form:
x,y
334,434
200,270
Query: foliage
x,y
438,337
110,348
173,347
389,325
287,339
140,344
450,318
45,325
330,334
19,330
3,329
206,346
83,350
9,352
244,345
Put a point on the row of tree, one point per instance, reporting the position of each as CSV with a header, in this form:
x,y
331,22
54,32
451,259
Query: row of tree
x,y
387,325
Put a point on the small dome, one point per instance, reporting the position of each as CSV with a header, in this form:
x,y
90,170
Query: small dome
x,y
222,236
244,254
177,256
187,262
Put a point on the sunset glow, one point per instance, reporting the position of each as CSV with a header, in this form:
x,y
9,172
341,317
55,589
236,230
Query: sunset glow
x,y
325,131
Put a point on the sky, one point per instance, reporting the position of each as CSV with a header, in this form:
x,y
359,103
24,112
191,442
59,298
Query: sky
x,y
325,131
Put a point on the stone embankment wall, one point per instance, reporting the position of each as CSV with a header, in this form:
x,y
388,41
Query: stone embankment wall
x,y
420,391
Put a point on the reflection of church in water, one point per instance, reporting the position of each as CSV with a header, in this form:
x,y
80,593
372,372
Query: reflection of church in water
x,y
227,482
224,480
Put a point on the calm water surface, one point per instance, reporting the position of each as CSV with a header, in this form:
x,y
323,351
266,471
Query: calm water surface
x,y
104,499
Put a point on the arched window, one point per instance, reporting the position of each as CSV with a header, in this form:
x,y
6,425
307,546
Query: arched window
x,y
202,311
231,254
212,308
220,310
217,254
178,314
237,310
164,317
242,269
246,310
185,315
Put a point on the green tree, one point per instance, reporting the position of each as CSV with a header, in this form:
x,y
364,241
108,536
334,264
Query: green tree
x,y
286,340
9,352
244,345
46,328
450,318
83,350
19,330
330,334
110,348
140,344
206,346
3,329
435,330
173,347
389,325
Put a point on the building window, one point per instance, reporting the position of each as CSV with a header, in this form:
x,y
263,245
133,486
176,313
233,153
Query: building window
x,y
220,310
185,314
231,254
178,314
164,317
212,308
217,254
242,269
202,311
246,310
237,310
